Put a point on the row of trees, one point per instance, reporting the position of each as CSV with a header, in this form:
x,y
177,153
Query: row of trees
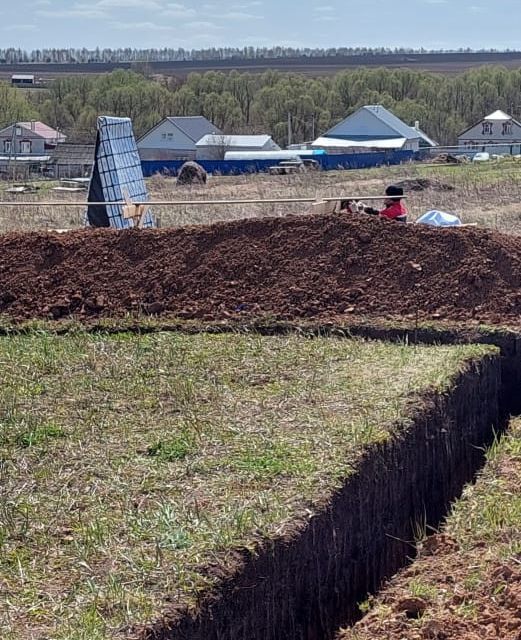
x,y
250,103
167,54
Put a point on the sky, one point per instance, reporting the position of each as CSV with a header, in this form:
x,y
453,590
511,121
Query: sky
x,y
437,24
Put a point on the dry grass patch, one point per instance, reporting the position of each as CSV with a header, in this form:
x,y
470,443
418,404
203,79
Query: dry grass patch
x,y
488,194
129,463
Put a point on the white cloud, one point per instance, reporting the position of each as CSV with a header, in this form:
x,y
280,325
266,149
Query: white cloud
x,y
140,26
201,24
324,9
238,15
175,10
20,27
76,11
129,4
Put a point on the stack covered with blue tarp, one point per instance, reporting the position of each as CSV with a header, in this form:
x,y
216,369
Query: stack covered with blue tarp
x,y
117,175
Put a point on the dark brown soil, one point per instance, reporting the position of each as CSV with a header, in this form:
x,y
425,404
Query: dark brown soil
x,y
324,267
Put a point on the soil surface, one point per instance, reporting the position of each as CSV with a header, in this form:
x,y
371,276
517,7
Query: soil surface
x,y
307,266
490,610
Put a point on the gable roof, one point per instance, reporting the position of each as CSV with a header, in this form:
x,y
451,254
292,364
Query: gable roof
x,y
400,129
233,141
385,116
496,116
195,127
42,129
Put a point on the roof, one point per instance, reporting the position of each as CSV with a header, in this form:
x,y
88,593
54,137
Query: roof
x,y
401,129
392,121
342,143
73,154
426,138
233,141
498,116
195,127
42,129
22,76
17,158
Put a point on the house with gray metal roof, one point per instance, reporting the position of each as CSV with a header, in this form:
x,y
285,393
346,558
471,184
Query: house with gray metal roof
x,y
213,147
374,127
175,138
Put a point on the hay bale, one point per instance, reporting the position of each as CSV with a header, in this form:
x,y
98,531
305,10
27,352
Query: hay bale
x,y
191,173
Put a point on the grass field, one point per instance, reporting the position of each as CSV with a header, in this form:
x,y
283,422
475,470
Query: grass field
x,y
488,194
467,582
128,463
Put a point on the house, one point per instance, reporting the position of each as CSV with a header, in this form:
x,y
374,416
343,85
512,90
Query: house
x,y
29,139
373,127
71,160
22,80
213,147
498,128
175,138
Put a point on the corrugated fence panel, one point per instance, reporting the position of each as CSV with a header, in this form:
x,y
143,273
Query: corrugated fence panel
x,y
236,167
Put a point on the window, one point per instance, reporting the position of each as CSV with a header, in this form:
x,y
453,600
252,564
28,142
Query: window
x,y
487,129
170,136
18,131
507,129
163,135
25,146
7,146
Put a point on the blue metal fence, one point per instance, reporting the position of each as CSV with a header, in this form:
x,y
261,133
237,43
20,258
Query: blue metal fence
x,y
237,167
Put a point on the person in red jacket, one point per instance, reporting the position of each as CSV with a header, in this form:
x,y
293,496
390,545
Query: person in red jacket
x,y
394,209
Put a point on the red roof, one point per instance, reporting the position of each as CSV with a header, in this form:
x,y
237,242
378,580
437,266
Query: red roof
x,y
43,130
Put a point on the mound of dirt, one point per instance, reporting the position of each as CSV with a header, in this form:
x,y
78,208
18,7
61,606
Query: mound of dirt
x,y
421,184
448,158
309,266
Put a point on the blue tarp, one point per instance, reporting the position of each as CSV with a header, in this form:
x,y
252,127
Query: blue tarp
x,y
117,172
326,161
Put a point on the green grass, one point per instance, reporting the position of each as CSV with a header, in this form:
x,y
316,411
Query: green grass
x,y
127,463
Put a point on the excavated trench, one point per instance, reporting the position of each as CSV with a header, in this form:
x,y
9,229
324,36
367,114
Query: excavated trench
x,y
307,586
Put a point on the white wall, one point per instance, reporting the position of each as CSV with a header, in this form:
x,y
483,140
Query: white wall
x,y
168,137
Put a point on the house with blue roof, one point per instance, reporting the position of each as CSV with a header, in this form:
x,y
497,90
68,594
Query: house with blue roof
x,y
374,127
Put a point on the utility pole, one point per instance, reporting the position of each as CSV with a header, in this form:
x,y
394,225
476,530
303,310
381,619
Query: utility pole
x,y
289,128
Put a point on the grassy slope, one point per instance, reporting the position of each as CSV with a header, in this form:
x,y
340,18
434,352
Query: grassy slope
x,y
127,462
467,582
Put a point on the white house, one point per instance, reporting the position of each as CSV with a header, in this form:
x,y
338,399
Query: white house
x,y
175,138
213,147
498,128
373,127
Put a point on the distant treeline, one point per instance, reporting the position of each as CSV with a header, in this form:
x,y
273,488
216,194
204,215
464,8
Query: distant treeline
x,y
260,103
67,56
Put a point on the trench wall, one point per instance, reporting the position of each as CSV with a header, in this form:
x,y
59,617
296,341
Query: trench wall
x,y
306,587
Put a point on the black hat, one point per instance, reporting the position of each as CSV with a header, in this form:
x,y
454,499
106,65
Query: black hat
x,y
393,191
